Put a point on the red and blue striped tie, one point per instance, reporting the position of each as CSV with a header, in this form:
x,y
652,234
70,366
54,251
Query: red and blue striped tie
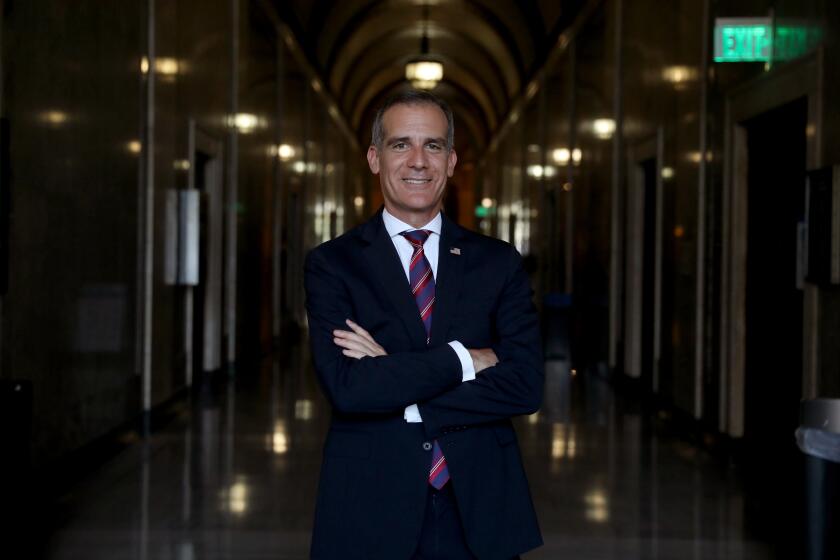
x,y
422,283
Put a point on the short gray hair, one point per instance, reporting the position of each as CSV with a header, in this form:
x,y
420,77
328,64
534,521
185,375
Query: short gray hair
x,y
412,97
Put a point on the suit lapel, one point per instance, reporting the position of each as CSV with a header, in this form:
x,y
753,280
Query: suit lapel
x,y
448,280
384,264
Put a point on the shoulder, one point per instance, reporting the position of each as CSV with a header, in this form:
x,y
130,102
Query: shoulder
x,y
347,241
488,246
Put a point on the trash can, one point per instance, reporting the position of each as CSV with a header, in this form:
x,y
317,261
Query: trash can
x,y
818,436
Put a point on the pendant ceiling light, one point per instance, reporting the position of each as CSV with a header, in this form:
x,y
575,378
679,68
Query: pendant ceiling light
x,y
424,72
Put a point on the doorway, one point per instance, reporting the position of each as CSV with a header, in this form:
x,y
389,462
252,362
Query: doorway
x,y
751,192
776,163
643,310
203,329
207,331
767,320
776,150
648,269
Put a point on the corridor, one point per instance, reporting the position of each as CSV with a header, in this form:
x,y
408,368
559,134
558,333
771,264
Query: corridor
x,y
663,176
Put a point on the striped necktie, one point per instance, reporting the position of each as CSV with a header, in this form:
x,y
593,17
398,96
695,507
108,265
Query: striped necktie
x,y
422,283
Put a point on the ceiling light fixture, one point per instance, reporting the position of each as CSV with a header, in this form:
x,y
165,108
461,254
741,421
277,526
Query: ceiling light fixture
x,y
603,128
424,72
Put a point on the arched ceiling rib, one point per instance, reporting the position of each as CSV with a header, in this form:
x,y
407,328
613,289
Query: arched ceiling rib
x,y
380,27
355,98
489,49
445,46
506,18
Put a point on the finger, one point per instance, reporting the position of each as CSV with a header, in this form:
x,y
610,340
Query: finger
x,y
347,335
353,354
355,342
364,338
338,332
366,335
375,347
360,331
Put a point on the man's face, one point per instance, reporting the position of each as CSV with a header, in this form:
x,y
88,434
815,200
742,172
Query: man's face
x,y
413,162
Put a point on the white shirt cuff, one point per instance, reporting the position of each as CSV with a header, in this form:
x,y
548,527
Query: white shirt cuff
x,y
412,413
467,366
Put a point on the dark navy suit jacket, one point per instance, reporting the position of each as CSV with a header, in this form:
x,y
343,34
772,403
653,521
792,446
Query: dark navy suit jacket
x,y
373,485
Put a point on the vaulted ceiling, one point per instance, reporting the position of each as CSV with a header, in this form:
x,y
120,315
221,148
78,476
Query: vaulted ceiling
x,y
489,50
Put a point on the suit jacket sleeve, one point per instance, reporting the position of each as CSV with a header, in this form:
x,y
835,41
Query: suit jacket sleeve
x,y
512,387
384,384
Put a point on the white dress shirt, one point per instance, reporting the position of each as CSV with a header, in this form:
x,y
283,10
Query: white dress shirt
x,y
431,248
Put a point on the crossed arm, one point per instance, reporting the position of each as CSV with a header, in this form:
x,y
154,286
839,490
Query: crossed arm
x,y
358,343
359,376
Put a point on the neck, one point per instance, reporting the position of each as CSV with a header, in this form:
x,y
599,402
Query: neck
x,y
414,219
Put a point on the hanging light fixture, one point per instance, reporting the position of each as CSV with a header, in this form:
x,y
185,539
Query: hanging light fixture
x,y
424,72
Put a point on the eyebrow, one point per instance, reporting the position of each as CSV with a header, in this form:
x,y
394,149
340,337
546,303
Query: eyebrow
x,y
407,139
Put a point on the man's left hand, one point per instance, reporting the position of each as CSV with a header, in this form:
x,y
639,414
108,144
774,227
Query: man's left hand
x,y
357,342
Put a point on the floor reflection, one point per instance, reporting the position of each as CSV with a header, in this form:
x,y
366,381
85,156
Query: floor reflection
x,y
608,485
235,478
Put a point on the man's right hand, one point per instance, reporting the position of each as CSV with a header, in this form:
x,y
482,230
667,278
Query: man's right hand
x,y
483,358
357,342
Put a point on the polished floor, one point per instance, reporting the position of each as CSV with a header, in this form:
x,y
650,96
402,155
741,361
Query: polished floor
x,y
234,477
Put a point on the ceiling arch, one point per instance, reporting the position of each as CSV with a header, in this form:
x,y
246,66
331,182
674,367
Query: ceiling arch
x,y
506,18
361,90
381,26
489,48
445,46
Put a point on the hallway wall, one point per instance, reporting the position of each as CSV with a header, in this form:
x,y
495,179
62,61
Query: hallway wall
x,y
646,69
75,95
71,94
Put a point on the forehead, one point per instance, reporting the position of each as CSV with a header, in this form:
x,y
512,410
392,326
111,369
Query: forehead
x,y
424,119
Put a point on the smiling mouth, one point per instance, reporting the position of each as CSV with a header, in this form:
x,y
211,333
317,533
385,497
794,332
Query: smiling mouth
x,y
415,181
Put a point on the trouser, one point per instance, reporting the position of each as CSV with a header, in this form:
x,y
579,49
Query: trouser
x,y
442,536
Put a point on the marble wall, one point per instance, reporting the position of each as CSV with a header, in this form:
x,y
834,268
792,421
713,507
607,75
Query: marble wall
x,y
72,94
75,84
646,70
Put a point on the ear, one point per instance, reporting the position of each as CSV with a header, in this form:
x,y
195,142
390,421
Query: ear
x,y
450,164
373,159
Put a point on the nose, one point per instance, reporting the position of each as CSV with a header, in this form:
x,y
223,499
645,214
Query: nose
x,y
417,158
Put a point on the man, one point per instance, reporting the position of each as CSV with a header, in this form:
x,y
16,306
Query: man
x,y
426,343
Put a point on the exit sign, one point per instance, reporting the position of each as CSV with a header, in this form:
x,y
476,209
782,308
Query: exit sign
x,y
757,40
743,39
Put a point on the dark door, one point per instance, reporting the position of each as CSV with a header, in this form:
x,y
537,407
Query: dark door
x,y
669,334
649,170
776,148
200,290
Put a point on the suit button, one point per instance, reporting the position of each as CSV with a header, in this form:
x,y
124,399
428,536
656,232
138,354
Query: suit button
x,y
427,446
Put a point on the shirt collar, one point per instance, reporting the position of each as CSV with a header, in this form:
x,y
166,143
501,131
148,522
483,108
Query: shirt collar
x,y
395,226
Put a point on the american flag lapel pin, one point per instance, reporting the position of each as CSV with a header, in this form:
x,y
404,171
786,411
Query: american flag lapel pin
x,y
455,250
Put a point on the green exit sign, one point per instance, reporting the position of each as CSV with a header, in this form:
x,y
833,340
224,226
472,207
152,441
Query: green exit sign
x,y
743,39
757,40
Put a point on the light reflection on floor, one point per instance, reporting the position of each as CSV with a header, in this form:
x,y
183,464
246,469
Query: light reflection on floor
x,y
236,479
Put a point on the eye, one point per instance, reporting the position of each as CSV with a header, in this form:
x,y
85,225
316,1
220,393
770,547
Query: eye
x,y
399,146
434,146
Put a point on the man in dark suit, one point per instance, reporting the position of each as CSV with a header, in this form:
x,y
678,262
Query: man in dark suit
x,y
426,343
